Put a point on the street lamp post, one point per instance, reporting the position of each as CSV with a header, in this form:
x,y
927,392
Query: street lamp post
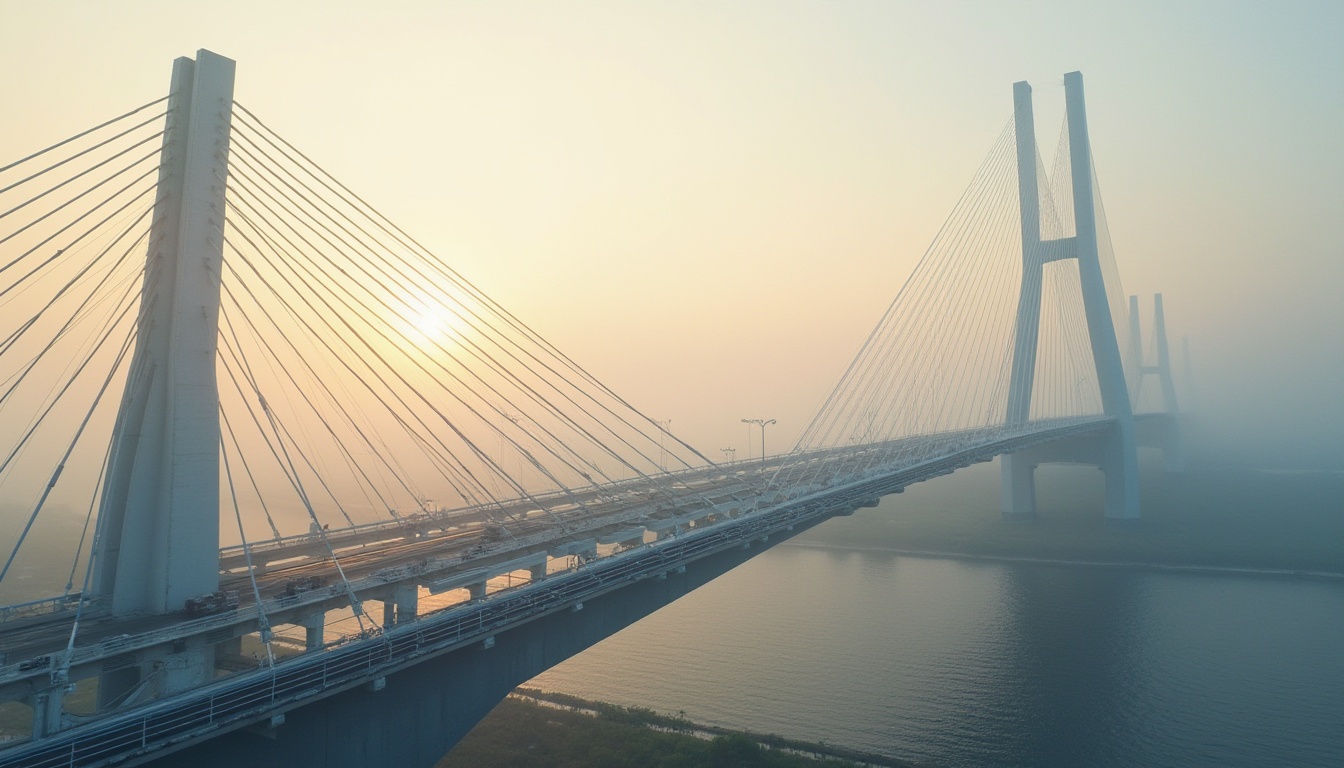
x,y
729,454
762,423
663,425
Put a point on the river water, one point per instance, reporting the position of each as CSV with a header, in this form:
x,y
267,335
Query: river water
x,y
975,663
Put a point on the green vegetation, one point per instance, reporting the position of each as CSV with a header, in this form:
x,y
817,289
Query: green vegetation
x,y
16,718
549,730
1213,518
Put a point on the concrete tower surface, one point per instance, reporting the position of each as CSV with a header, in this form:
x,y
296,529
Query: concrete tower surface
x,y
159,514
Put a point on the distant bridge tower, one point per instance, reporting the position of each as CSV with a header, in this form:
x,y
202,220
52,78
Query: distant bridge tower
x,y
1117,453
159,515
1173,448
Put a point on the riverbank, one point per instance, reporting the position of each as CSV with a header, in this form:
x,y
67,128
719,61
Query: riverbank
x,y
533,728
1215,521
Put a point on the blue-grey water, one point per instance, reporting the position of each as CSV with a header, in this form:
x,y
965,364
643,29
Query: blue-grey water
x,y
968,663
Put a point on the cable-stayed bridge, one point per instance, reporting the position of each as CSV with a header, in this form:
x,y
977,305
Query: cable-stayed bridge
x,y
321,498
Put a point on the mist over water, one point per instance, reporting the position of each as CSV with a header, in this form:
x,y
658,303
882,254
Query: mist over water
x,y
993,664
957,662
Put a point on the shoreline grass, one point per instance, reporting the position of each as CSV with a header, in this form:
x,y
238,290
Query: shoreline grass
x,y
536,729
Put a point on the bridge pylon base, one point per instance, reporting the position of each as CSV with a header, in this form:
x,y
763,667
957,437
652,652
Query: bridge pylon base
x,y
48,711
1017,487
1114,453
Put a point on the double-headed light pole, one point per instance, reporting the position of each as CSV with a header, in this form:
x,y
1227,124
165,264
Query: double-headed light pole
x,y
762,423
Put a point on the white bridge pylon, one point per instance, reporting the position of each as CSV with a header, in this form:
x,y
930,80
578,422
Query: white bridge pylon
x,y
160,508
1116,454
1169,440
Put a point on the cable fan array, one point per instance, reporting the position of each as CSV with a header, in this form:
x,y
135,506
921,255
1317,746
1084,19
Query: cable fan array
x,y
75,222
360,377
934,374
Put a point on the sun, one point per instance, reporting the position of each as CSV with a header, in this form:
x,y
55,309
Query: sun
x,y
432,326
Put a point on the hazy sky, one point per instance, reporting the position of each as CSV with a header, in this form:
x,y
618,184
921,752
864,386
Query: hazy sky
x,y
709,204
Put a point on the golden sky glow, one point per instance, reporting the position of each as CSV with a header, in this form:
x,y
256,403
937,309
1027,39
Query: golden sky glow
x,y
710,204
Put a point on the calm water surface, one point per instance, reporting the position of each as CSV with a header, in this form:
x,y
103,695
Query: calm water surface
x,y
961,663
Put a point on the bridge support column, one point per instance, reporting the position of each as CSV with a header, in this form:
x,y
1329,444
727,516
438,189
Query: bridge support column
x,y
476,591
1018,487
538,572
407,599
184,670
401,606
314,631
48,711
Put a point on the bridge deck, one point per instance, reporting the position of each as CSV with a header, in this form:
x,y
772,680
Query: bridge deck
x,y
760,509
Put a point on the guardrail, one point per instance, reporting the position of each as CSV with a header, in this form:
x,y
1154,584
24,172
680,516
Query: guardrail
x,y
43,606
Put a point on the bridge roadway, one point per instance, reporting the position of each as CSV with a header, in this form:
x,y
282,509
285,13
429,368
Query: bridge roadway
x,y
428,547
759,511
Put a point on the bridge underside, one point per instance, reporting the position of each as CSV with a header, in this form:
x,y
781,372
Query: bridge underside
x,y
1103,449
424,710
